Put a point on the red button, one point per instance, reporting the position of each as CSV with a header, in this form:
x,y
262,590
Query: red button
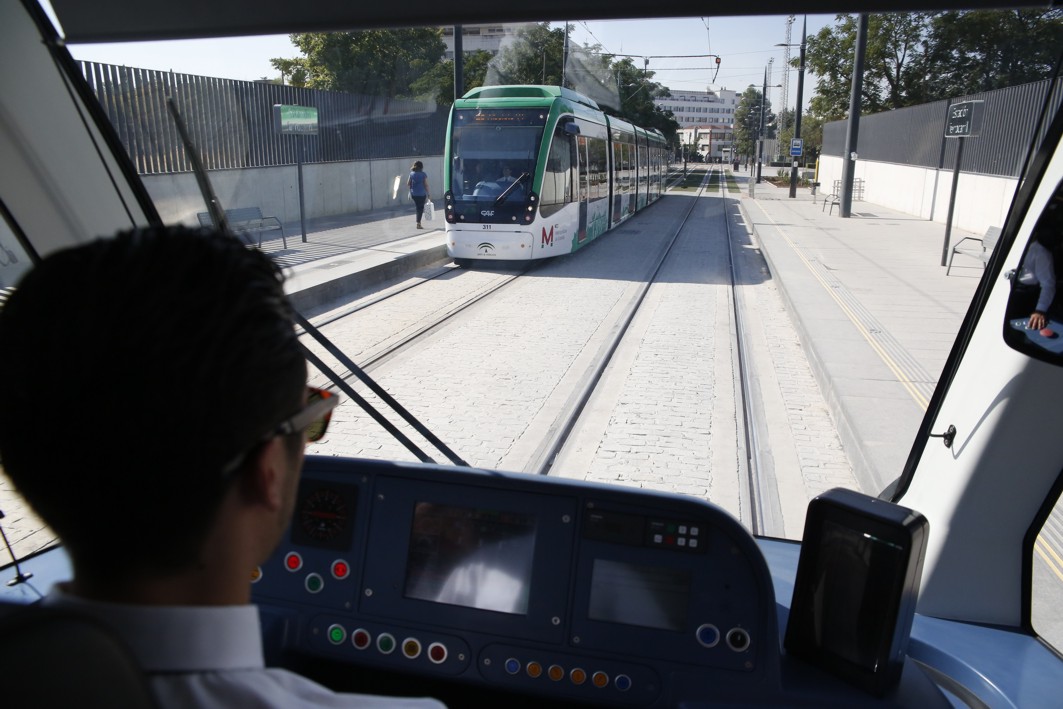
x,y
293,562
437,653
340,569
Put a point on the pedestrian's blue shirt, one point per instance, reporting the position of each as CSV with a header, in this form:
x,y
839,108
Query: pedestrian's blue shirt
x,y
416,183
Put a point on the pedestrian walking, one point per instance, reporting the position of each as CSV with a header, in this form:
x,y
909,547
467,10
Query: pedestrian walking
x,y
418,184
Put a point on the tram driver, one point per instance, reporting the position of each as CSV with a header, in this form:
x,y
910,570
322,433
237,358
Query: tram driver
x,y
183,389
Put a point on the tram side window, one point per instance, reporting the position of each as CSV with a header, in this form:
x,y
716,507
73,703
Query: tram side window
x,y
598,154
584,167
557,178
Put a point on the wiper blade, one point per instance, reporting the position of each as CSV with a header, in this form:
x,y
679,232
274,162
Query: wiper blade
x,y
502,197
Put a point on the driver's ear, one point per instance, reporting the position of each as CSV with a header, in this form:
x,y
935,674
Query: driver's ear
x,y
264,481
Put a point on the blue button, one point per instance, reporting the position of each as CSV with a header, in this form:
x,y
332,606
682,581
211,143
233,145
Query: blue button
x,y
622,682
708,635
512,666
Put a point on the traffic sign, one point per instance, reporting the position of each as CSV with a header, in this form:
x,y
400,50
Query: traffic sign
x,y
965,119
797,146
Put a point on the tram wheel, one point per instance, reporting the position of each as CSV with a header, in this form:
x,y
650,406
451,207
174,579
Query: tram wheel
x,y
463,262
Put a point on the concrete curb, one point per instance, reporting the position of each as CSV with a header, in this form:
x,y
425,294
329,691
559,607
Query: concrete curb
x,y
863,469
318,295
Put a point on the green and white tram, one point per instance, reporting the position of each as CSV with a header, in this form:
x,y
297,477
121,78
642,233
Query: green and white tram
x,y
540,171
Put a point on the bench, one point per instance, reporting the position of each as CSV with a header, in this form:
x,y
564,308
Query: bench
x,y
245,220
982,251
833,200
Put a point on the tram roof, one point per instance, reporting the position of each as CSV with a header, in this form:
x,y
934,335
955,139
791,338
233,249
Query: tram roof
x,y
521,91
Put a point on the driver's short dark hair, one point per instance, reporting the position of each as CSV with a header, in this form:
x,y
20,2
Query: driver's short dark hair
x,y
135,368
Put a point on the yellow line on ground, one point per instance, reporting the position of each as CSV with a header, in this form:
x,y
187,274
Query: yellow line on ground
x,y
1050,557
920,400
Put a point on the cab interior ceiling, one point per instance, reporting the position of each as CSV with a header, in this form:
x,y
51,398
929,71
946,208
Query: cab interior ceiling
x,y
132,20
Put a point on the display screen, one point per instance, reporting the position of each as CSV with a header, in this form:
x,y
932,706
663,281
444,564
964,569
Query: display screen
x,y
855,593
647,596
471,557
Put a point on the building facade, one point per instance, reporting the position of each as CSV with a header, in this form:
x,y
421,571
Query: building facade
x,y
706,121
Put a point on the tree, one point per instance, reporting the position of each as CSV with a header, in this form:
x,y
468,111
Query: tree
x,y
636,94
438,82
976,51
374,62
536,57
893,62
748,121
913,58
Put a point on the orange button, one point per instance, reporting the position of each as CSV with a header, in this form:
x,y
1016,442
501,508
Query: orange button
x,y
600,679
534,669
556,673
577,676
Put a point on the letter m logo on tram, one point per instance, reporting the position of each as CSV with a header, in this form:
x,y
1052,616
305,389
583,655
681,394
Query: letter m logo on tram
x,y
548,239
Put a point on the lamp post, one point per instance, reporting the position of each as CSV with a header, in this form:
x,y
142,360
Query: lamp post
x,y
760,130
800,99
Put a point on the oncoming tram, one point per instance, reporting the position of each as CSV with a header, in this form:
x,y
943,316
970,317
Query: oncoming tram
x,y
539,171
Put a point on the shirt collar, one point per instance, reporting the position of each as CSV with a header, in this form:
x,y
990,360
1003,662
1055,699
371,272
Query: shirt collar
x,y
177,638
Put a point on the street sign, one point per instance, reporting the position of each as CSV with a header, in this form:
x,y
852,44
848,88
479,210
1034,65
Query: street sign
x,y
965,120
294,120
797,146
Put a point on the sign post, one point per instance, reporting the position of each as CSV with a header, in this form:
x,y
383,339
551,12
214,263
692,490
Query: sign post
x,y
964,121
297,121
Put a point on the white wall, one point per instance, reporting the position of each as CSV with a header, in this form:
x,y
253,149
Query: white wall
x,y
328,188
981,200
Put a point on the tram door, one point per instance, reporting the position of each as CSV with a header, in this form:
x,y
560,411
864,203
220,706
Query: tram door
x,y
581,163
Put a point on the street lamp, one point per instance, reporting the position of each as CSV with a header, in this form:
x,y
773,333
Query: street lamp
x,y
760,131
800,91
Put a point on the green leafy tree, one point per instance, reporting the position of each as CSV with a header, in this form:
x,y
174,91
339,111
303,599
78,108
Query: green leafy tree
x,y
535,57
748,121
374,62
913,58
438,82
974,51
636,94
893,63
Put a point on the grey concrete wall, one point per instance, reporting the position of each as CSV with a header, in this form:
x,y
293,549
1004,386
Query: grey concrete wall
x,y
982,201
328,188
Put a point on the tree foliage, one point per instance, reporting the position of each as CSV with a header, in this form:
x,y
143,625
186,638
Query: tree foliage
x,y
438,82
374,62
913,58
747,127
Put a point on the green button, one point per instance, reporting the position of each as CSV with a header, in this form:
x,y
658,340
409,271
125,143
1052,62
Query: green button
x,y
336,634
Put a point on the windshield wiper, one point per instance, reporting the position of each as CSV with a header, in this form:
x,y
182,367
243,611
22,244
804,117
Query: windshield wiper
x,y
502,197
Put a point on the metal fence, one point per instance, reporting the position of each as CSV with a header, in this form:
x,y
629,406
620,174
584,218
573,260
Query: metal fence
x,y
231,122
916,135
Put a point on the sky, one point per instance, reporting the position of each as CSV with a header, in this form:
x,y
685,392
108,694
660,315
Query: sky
x,y
745,45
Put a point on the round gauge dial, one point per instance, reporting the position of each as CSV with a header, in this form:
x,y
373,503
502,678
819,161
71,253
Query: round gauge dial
x,y
323,514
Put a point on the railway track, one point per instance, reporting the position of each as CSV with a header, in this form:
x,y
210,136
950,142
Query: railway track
x,y
542,422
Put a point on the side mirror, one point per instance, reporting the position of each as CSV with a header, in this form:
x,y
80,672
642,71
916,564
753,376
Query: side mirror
x,y
1033,322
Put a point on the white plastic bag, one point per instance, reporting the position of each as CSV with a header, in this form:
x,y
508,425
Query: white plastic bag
x,y
429,210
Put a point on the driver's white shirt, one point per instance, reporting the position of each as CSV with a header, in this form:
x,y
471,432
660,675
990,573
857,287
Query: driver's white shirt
x,y
211,656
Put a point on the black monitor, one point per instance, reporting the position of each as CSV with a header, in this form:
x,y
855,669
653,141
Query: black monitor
x,y
856,587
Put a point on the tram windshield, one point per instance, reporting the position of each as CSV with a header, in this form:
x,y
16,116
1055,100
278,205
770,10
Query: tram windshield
x,y
859,396
491,150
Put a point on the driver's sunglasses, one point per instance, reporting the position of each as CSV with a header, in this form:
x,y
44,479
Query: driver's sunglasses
x,y
312,421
